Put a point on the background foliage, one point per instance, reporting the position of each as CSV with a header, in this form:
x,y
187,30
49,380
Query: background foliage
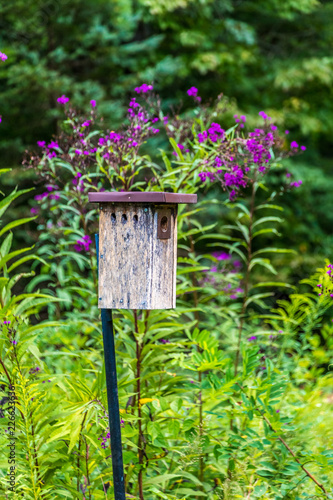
x,y
273,55
242,405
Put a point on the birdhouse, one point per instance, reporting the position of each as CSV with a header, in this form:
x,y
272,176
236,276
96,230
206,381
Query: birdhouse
x,y
138,249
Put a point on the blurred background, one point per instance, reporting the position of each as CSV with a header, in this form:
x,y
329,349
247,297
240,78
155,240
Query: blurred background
x,y
271,55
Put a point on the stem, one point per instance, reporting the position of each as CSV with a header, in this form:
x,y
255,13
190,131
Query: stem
x,y
6,372
288,447
138,391
90,251
87,468
293,454
200,400
78,455
247,277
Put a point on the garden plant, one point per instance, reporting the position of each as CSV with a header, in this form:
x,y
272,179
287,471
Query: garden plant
x,y
227,396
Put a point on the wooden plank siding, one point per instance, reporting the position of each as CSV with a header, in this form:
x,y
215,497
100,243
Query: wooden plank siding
x,y
137,269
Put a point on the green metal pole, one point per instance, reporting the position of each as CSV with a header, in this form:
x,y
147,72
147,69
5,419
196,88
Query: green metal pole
x,y
113,400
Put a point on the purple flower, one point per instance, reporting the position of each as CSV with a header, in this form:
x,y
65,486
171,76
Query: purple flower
x,y
41,144
93,103
34,210
77,176
50,187
286,132
83,244
193,91
202,136
263,115
114,137
3,56
63,99
14,342
143,89
253,338
52,155
236,178
294,144
86,123
40,197
53,145
273,127
215,132
295,184
54,196
232,195
303,148
221,255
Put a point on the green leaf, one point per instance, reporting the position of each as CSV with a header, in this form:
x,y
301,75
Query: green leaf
x,y
4,204
274,250
264,220
16,223
262,262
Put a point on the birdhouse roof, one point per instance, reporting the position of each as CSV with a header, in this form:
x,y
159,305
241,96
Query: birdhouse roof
x,y
141,197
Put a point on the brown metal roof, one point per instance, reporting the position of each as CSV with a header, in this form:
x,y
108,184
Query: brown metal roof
x,y
141,197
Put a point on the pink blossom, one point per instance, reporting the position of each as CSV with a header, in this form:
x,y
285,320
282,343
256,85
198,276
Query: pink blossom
x,y
63,99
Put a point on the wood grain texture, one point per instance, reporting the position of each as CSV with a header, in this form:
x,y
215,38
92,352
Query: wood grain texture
x,y
137,270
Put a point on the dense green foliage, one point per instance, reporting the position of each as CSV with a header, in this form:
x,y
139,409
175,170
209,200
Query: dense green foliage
x,y
273,55
229,395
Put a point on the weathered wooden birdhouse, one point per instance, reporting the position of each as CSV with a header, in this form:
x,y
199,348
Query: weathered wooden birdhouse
x,y
138,249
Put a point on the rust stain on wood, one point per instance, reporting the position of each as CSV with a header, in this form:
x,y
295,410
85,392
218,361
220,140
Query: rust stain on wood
x,y
137,269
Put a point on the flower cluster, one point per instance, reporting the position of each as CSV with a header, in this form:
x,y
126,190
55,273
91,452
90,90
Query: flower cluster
x,y
78,181
294,145
296,184
105,438
220,275
83,244
193,92
238,160
241,120
34,370
258,146
144,88
3,56
63,99
214,133
51,193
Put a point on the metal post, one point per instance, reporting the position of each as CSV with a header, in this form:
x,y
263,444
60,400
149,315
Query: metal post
x,y
113,401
